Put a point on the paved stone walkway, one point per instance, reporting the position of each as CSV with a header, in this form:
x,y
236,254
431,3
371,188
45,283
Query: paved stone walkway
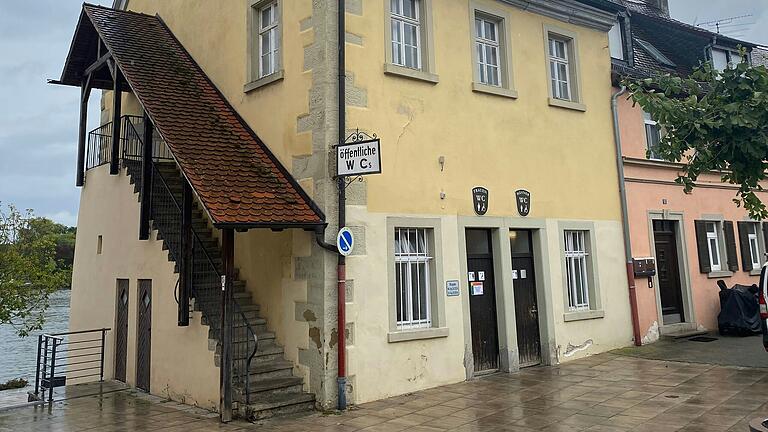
x,y
725,350
602,393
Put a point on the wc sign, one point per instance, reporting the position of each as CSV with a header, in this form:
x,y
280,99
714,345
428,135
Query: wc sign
x,y
358,158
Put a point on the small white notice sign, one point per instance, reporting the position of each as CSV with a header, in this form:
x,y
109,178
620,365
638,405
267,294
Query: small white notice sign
x,y
481,276
477,288
358,158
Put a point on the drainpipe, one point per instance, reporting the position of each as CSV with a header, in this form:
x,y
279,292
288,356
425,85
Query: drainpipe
x,y
341,379
625,218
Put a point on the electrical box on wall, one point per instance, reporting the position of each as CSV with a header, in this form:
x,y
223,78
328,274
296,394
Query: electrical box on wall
x,y
644,267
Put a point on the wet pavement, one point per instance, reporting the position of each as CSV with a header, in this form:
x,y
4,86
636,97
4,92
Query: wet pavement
x,y
606,392
724,350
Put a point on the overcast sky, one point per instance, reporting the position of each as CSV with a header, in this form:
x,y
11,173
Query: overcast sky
x,y
38,122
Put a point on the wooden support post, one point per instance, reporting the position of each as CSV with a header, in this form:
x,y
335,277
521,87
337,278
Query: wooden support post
x,y
146,179
85,94
185,265
114,163
228,258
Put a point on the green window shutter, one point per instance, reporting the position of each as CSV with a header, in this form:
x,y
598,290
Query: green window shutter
x,y
730,246
701,245
746,255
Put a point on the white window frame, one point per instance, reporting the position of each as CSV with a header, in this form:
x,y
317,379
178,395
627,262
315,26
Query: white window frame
x,y
616,36
713,238
257,74
576,265
570,59
754,245
730,56
556,78
484,43
270,30
653,124
405,286
402,21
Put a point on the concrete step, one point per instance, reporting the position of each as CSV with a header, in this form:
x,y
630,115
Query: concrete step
x,y
278,404
290,384
684,334
279,368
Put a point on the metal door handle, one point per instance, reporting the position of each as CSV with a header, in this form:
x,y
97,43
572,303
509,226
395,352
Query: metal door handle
x,y
533,310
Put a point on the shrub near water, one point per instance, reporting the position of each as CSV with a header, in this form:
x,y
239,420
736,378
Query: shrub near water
x,y
14,384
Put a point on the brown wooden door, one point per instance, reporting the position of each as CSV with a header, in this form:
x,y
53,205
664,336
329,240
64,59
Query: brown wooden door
x,y
482,300
526,304
668,270
143,336
121,329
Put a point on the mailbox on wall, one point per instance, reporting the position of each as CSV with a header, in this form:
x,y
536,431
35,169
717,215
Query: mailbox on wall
x,y
644,267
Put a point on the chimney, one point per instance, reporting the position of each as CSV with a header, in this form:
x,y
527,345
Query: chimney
x,y
663,6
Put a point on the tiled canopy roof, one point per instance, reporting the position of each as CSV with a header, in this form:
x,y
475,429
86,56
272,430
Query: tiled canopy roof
x,y
237,178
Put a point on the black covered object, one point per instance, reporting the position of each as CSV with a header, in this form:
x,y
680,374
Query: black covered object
x,y
739,311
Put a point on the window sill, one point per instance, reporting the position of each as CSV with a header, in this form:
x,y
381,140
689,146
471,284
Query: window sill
x,y
492,90
583,315
265,81
560,103
417,334
719,274
755,272
414,74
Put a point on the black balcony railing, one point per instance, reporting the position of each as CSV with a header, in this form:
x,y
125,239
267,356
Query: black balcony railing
x,y
99,149
72,357
99,142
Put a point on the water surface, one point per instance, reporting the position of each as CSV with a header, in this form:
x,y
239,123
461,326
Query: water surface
x,y
17,355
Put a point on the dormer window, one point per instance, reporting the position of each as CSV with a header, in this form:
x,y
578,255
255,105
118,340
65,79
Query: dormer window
x,y
723,58
616,41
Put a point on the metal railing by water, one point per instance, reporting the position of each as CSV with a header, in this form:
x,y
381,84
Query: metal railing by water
x,y
65,357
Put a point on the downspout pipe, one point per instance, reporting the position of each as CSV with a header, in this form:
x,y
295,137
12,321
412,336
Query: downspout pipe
x,y
625,218
341,379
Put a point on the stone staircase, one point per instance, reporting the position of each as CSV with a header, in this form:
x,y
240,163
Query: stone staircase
x,y
273,387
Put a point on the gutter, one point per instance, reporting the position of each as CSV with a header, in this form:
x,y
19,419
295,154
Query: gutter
x,y
341,323
625,219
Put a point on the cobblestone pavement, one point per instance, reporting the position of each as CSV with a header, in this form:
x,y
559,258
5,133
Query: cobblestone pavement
x,y
601,393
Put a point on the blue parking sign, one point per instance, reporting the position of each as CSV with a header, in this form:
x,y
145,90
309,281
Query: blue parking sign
x,y
345,241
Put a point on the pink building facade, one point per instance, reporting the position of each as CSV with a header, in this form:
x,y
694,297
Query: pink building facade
x,y
663,219
695,239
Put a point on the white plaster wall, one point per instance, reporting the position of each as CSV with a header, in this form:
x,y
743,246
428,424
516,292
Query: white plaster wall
x,y
182,367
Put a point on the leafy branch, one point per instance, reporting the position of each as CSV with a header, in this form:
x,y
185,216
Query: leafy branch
x,y
713,122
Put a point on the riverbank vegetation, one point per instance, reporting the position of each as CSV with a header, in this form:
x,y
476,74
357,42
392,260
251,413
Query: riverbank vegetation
x,y
35,260
14,384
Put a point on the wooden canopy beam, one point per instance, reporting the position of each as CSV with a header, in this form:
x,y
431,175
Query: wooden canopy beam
x,y
85,93
98,64
114,163
146,179
227,298
185,267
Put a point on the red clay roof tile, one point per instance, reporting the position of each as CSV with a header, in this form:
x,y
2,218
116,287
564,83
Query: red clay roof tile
x,y
239,181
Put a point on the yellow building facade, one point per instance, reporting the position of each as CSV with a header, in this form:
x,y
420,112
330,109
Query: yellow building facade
x,y
491,240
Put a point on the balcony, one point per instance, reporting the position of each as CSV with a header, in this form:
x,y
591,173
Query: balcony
x,y
99,148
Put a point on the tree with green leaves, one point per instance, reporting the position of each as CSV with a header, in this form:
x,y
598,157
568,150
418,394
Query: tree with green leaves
x,y
713,122
29,268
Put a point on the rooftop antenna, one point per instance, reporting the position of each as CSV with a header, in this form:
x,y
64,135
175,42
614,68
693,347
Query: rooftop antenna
x,y
731,26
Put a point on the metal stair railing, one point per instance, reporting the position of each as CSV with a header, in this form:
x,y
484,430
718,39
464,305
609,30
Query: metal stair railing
x,y
206,277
